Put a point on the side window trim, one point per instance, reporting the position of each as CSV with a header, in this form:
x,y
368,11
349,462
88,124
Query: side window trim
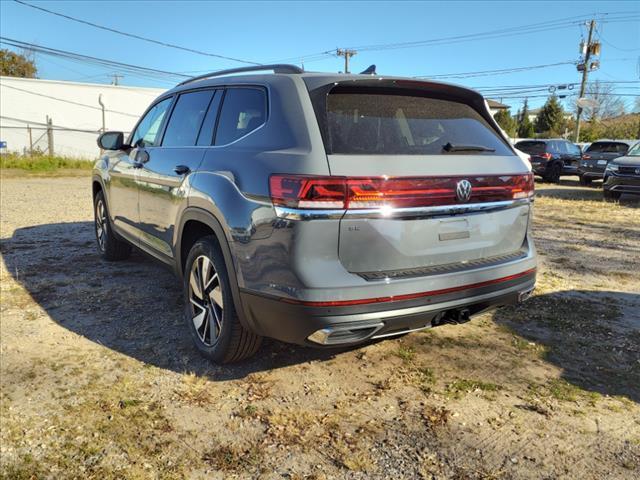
x,y
215,127
217,91
164,120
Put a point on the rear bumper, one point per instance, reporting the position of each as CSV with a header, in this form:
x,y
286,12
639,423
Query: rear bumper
x,y
539,167
591,171
622,184
310,324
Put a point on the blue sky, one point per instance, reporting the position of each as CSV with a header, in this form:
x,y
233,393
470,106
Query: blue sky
x,y
267,31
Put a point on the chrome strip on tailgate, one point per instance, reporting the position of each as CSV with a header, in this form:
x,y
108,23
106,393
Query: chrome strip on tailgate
x,y
400,213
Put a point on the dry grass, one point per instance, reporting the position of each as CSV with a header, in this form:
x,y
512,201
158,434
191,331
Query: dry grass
x,y
90,389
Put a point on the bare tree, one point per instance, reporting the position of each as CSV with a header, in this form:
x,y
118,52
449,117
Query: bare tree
x,y
606,103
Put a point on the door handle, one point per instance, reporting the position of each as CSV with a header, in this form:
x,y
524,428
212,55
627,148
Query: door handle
x,y
181,169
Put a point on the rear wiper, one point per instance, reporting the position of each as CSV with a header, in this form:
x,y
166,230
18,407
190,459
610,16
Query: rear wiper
x,y
449,147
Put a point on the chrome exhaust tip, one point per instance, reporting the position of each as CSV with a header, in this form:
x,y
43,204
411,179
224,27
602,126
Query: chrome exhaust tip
x,y
523,296
344,334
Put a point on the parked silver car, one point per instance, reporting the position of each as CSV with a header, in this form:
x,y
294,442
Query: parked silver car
x,y
320,209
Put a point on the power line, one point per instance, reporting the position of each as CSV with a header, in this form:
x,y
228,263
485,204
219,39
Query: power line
x,y
500,33
138,37
53,127
68,101
501,71
89,59
614,46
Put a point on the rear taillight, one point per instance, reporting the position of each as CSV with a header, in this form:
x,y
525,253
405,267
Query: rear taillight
x,y
586,157
299,191
308,192
547,156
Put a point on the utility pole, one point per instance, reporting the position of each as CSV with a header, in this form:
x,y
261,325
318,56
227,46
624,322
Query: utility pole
x,y
586,67
347,54
116,78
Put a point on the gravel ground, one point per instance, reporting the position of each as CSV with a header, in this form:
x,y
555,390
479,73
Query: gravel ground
x,y
99,379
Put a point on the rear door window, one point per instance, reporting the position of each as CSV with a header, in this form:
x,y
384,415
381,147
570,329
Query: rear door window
x,y
186,119
532,148
608,147
396,124
243,111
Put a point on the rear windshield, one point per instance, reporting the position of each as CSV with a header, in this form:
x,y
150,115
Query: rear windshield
x,y
608,147
388,124
531,147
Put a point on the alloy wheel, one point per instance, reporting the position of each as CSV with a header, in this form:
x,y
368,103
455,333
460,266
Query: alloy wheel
x,y
205,296
101,224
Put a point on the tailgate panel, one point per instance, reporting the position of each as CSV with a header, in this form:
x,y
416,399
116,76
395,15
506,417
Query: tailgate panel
x,y
383,244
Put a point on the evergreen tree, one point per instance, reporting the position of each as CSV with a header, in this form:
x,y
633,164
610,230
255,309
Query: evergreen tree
x,y
525,127
507,122
550,120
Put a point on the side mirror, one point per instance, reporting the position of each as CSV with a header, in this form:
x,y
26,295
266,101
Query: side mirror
x,y
111,141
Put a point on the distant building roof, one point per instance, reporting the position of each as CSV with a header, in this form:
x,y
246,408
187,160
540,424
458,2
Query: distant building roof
x,y
498,105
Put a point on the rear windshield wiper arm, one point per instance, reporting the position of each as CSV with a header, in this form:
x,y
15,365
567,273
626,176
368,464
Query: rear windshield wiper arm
x,y
449,147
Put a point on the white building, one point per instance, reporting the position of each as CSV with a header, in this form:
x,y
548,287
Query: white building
x,y
75,112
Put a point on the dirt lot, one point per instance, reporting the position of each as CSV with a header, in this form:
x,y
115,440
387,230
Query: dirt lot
x,y
99,379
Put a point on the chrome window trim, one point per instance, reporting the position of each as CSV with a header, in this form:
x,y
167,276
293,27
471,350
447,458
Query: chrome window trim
x,y
399,213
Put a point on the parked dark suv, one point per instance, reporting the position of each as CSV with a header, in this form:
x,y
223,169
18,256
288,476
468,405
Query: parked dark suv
x,y
598,155
319,209
622,175
552,158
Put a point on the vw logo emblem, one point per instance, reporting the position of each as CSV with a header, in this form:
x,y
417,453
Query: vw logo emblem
x,y
638,171
463,190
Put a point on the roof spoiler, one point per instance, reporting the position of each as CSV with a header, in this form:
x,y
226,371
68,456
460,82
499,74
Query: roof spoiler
x,y
276,68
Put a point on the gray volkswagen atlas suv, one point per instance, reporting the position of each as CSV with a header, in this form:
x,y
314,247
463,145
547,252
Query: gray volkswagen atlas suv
x,y
317,208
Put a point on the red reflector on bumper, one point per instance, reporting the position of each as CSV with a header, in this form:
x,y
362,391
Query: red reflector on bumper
x,y
410,296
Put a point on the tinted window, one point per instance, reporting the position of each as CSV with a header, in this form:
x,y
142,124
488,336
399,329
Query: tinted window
x,y
186,119
608,147
372,123
243,110
573,149
209,123
146,134
531,147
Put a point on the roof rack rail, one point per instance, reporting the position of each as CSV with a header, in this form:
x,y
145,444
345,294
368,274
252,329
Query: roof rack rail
x,y
277,68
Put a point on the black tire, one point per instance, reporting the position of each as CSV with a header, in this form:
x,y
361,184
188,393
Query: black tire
x,y
110,247
611,196
553,173
232,341
585,181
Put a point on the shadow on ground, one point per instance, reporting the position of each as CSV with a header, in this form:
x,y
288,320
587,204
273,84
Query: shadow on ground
x,y
594,336
133,307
